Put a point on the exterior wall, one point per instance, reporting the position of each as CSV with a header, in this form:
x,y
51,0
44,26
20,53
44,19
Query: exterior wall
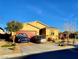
x,y
48,32
37,24
55,31
52,33
30,28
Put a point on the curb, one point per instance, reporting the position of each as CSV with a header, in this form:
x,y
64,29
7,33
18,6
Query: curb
x,y
23,54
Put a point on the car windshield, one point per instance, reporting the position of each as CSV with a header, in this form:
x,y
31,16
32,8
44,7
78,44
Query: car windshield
x,y
22,34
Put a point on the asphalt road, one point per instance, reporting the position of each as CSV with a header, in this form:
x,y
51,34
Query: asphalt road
x,y
62,54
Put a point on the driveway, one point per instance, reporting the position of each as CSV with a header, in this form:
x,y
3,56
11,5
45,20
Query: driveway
x,y
23,49
28,48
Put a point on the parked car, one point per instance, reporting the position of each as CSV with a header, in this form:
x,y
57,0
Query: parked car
x,y
22,38
38,39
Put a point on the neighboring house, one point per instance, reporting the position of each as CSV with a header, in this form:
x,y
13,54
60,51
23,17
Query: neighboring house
x,y
1,31
38,28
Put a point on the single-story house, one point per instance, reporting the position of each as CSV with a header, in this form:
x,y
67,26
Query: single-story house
x,y
38,28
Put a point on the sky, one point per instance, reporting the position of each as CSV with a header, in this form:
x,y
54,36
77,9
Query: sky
x,y
54,13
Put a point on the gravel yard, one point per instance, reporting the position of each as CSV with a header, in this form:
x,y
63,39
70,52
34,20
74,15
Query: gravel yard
x,y
29,48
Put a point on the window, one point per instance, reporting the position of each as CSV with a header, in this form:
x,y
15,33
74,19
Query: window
x,y
52,33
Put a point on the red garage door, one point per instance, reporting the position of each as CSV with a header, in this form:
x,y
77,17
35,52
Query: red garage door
x,y
29,33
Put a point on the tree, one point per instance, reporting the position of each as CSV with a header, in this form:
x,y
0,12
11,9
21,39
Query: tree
x,y
69,27
76,34
13,27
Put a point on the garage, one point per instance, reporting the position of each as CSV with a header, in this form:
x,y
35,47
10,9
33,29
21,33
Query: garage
x,y
30,34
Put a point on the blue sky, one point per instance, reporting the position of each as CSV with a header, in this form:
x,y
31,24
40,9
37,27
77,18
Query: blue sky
x,y
51,12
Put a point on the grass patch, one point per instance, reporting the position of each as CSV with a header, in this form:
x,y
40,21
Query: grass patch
x,y
8,45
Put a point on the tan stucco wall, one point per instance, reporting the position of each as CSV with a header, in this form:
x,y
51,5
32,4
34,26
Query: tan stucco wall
x,y
52,30
48,31
55,31
37,24
30,28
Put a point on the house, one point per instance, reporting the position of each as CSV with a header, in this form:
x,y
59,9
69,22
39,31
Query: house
x,y
38,28
1,30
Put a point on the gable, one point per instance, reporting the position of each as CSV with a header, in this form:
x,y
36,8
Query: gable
x,y
28,27
38,24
